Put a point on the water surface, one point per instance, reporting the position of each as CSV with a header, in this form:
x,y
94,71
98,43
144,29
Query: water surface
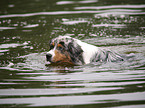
x,y
26,28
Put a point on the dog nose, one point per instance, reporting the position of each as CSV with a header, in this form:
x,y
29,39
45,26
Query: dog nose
x,y
48,57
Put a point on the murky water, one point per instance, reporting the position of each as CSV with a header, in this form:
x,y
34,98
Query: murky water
x,y
26,26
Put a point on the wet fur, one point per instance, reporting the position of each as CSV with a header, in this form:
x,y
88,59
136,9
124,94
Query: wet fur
x,y
65,49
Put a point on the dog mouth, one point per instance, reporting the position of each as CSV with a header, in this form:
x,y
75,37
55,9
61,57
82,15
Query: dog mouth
x,y
49,61
59,63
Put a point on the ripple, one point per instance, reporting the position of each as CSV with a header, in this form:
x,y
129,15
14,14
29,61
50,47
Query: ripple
x,y
7,28
75,2
75,100
3,51
110,25
12,45
69,22
112,6
31,26
46,13
51,91
120,11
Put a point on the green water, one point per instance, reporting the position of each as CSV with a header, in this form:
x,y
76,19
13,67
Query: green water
x,y
26,27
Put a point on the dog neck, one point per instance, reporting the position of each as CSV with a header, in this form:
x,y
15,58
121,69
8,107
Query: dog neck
x,y
89,51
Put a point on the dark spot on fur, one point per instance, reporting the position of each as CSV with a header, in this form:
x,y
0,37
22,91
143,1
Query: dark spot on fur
x,y
75,53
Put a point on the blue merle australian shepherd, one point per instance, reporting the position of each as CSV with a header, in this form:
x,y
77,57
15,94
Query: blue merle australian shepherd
x,y
68,50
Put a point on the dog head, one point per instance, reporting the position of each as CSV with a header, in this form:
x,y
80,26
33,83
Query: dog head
x,y
65,50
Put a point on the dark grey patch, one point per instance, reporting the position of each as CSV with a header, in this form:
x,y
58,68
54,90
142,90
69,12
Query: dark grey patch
x,y
75,52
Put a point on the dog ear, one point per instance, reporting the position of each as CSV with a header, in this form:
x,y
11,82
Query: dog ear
x,y
75,52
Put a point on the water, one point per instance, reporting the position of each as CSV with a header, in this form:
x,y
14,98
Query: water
x,y
26,27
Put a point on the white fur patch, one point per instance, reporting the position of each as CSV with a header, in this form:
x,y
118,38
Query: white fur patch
x,y
89,51
51,52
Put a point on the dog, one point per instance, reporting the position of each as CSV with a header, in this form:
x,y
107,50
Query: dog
x,y
68,50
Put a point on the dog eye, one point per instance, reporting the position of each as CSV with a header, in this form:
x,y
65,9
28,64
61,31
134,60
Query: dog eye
x,y
60,48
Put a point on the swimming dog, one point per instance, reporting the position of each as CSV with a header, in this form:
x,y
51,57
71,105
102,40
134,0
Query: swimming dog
x,y
68,50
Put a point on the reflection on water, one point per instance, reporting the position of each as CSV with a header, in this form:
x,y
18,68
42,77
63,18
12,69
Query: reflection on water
x,y
26,28
113,9
75,2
